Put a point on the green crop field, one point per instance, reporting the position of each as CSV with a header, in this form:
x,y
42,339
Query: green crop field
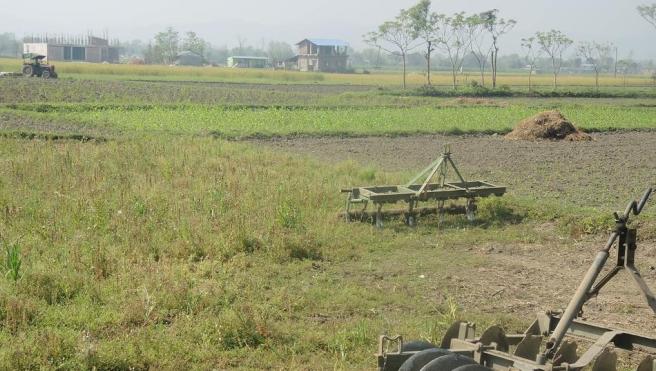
x,y
138,232
270,122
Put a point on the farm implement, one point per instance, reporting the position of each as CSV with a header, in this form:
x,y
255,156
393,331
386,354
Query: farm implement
x,y
430,185
552,341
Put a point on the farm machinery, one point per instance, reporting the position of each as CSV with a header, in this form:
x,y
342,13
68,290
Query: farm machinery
x,y
430,185
551,342
33,66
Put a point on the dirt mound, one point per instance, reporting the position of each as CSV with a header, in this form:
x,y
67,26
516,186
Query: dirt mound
x,y
547,125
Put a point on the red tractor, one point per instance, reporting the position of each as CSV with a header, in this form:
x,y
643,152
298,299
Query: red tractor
x,y
33,66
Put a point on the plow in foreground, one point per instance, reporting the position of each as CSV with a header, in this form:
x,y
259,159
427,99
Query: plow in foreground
x,y
552,341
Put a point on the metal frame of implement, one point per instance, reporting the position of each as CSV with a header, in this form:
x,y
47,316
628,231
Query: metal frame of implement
x,y
549,343
414,192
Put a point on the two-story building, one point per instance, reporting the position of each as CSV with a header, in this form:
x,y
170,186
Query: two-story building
x,y
322,55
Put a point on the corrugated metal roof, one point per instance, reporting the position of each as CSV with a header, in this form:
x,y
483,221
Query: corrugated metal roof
x,y
327,42
247,57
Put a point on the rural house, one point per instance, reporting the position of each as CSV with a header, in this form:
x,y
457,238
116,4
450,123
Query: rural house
x,y
63,48
322,55
189,58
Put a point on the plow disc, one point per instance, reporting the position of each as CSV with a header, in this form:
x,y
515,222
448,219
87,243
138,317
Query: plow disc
x,y
555,341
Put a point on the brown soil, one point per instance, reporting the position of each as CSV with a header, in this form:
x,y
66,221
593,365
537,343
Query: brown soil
x,y
547,125
605,172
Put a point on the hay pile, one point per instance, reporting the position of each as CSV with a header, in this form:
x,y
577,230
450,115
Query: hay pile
x,y
547,125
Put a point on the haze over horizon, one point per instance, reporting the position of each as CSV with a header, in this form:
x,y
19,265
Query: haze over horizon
x,y
222,22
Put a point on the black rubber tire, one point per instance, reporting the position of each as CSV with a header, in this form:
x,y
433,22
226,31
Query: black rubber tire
x,y
417,346
421,359
28,71
46,74
475,367
448,363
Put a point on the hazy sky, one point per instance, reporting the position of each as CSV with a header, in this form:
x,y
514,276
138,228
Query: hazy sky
x,y
222,21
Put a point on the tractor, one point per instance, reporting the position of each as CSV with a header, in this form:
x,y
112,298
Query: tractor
x,y
33,66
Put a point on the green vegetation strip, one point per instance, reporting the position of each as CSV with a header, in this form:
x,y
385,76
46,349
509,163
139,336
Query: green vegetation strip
x,y
240,123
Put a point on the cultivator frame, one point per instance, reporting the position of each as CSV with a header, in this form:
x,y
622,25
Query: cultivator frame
x,y
549,344
434,187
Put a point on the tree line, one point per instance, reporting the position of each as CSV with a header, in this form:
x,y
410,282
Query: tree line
x,y
459,35
166,45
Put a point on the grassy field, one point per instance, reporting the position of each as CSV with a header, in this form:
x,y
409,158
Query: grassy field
x,y
160,245
219,74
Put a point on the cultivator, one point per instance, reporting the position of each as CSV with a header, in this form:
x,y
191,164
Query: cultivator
x,y
433,188
552,341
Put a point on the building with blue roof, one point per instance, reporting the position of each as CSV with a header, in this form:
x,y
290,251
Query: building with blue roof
x,y
322,55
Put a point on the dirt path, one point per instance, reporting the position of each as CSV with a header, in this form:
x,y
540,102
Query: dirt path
x,y
605,172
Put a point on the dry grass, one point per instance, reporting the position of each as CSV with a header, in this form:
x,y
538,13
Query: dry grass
x,y
71,69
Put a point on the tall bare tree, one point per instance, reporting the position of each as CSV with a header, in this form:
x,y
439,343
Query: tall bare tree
x,y
425,26
454,38
396,37
595,54
531,55
481,48
554,43
648,12
496,27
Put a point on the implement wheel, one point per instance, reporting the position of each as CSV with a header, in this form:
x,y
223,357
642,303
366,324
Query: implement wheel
x,y
448,363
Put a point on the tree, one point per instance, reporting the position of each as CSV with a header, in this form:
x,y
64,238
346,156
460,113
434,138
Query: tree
x,y
496,27
9,46
279,51
396,37
166,46
594,54
454,38
481,48
627,66
554,43
134,48
532,53
194,43
425,26
241,44
648,12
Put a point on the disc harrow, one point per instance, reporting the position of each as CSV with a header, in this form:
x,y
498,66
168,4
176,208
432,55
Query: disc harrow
x,y
429,186
553,341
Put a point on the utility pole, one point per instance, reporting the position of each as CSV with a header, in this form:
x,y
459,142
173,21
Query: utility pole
x,y
615,61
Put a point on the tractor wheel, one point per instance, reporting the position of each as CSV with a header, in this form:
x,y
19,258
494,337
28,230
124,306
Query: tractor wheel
x,y
28,71
448,363
423,358
46,74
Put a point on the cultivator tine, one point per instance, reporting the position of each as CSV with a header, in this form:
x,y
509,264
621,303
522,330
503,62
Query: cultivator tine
x,y
647,364
495,336
606,361
566,353
529,347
